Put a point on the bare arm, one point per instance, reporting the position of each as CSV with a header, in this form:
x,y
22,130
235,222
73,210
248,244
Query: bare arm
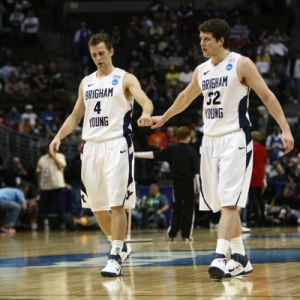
x,y
147,155
71,122
132,85
249,75
183,100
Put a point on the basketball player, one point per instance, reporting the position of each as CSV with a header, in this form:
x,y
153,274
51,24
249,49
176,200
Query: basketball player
x,y
225,80
105,99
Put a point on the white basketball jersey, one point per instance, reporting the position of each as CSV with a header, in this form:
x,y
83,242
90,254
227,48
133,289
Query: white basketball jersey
x,y
107,111
226,100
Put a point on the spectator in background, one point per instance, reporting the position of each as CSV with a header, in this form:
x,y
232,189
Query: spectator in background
x,y
29,114
50,183
14,117
156,138
24,87
263,62
12,200
26,127
152,211
172,88
276,47
116,35
30,29
73,178
151,89
156,32
81,39
158,9
258,178
8,70
281,203
53,127
274,144
185,76
16,20
265,123
293,72
19,172
48,115
185,9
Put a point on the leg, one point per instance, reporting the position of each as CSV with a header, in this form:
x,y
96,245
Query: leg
x,y
57,199
188,210
12,210
176,211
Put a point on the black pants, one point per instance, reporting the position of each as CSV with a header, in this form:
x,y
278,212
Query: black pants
x,y
255,194
183,212
54,197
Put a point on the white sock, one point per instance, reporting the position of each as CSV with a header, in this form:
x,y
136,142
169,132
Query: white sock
x,y
237,246
117,247
222,246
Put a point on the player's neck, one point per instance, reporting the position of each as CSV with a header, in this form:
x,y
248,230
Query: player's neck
x,y
219,57
104,72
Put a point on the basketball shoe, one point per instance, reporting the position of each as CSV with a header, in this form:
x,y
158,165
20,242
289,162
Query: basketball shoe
x,y
126,252
113,266
238,265
217,266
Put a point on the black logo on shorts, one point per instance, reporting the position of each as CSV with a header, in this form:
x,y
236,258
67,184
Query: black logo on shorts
x,y
240,148
122,151
128,195
82,198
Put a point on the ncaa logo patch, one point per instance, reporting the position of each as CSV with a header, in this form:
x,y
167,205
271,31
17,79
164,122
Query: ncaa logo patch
x,y
229,67
115,82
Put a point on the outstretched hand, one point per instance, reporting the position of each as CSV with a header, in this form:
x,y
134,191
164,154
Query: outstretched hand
x,y
157,121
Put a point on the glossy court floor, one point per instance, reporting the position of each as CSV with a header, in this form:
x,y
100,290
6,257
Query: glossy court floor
x,y
66,265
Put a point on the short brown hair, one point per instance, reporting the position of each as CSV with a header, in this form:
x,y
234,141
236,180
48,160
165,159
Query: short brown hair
x,y
97,38
219,28
256,136
182,132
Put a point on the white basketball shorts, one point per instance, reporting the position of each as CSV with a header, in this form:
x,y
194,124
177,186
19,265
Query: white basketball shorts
x,y
108,174
225,170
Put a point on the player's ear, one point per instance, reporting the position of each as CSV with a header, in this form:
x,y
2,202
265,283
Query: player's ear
x,y
111,51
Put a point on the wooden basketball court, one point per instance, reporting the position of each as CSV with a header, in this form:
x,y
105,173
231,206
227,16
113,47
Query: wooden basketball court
x,y
66,265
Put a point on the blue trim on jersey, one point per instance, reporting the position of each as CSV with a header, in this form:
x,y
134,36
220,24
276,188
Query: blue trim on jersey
x,y
130,159
242,112
127,123
248,141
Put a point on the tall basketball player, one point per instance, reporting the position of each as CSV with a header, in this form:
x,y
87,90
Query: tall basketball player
x,y
105,99
225,80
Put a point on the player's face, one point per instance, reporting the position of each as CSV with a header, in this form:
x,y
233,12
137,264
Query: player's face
x,y
209,45
101,56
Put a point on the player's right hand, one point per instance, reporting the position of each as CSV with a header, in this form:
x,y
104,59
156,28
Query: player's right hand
x,y
54,146
157,121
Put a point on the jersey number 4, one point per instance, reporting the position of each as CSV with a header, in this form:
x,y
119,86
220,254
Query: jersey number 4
x,y
97,108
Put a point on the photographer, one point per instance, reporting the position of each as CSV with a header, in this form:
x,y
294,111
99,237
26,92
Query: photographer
x,y
152,210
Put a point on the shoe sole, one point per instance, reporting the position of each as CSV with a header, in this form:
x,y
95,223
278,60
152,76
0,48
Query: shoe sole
x,y
215,273
108,274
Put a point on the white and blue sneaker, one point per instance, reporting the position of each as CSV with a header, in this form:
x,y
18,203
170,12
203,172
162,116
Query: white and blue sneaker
x,y
113,267
217,266
238,265
126,252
